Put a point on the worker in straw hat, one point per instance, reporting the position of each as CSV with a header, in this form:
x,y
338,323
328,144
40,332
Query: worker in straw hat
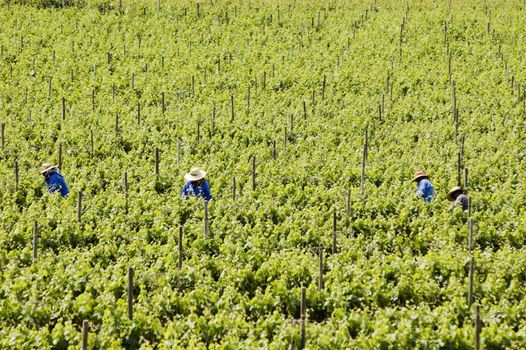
x,y
458,195
196,184
54,180
424,187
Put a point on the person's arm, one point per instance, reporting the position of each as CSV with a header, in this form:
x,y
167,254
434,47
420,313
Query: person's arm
x,y
184,192
206,191
64,190
421,188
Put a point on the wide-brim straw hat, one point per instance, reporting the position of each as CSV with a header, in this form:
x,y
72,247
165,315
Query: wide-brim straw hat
x,y
195,174
419,174
453,191
47,167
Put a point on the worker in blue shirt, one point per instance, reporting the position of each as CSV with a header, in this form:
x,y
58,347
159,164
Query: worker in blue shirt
x,y
424,187
196,184
54,181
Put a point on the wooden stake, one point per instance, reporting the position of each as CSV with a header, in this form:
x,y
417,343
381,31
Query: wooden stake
x,y
49,88
471,276
116,124
454,96
79,207
180,247
459,183
348,193
207,230
35,241
334,227
3,136
253,173
163,109
130,293
85,330
63,108
234,189
126,189
274,152
92,100
320,278
465,178
60,156
157,162
323,87
304,110
139,113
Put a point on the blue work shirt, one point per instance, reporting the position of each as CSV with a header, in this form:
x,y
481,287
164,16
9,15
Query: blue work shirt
x,y
425,190
201,191
55,182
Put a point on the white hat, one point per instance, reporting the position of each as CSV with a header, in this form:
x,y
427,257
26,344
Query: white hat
x,y
47,167
195,174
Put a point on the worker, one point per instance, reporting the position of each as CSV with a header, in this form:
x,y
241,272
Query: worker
x,y
196,184
458,195
54,180
424,187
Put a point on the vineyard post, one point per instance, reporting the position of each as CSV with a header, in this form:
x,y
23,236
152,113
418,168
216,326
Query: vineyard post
x,y
16,175
113,93
324,84
79,207
234,189
291,122
92,144
162,60
130,293
303,311
116,124
454,96
93,99
35,241
478,326
63,108
3,136
157,162
180,247
449,68
304,110
264,80
465,178
459,183
334,227
471,277
49,88
455,115
126,190
462,142
193,85
163,102
60,156
253,173
274,153
232,108
207,228
85,330
320,280
198,139
139,113
470,235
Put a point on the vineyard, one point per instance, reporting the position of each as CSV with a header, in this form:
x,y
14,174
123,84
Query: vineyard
x,y
310,118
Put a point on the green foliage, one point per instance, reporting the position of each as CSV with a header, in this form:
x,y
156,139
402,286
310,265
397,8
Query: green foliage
x,y
399,275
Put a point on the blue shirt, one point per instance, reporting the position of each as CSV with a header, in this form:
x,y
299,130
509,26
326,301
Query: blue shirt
x,y
55,182
201,191
425,190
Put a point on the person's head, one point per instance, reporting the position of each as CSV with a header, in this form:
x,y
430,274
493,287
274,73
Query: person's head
x,y
419,176
454,193
47,169
196,176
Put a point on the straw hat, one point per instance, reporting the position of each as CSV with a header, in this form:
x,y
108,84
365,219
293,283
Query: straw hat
x,y
47,167
195,174
419,174
452,191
